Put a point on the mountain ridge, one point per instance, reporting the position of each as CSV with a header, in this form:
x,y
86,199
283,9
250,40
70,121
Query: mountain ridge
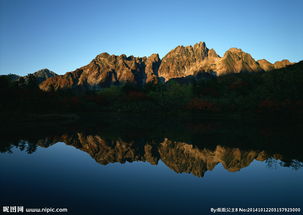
x,y
38,76
183,61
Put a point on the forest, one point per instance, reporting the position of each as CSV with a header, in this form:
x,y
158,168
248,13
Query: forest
x,y
273,92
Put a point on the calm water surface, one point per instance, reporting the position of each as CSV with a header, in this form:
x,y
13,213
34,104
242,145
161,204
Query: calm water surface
x,y
94,172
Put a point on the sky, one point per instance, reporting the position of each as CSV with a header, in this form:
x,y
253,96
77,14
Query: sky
x,y
63,35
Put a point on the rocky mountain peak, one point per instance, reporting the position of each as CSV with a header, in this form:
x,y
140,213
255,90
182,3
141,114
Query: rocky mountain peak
x,y
152,64
180,61
44,74
200,44
264,61
32,78
234,50
154,57
235,61
265,65
102,55
282,64
212,53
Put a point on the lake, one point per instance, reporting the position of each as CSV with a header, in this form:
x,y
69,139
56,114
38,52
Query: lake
x,y
150,165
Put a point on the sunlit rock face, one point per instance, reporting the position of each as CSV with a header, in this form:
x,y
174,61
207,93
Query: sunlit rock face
x,y
267,66
189,60
282,64
106,70
178,156
183,61
68,81
236,61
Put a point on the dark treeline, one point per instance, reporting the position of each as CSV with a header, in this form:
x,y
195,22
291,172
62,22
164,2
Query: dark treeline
x,y
261,92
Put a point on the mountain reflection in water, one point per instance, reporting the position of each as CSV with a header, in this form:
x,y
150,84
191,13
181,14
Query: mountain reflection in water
x,y
195,158
129,165
178,156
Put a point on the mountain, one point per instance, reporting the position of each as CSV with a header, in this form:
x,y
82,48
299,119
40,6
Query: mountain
x,y
13,77
106,70
236,61
267,66
281,64
41,75
183,62
38,77
192,60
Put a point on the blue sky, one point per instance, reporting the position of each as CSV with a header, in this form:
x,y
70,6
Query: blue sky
x,y
63,35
